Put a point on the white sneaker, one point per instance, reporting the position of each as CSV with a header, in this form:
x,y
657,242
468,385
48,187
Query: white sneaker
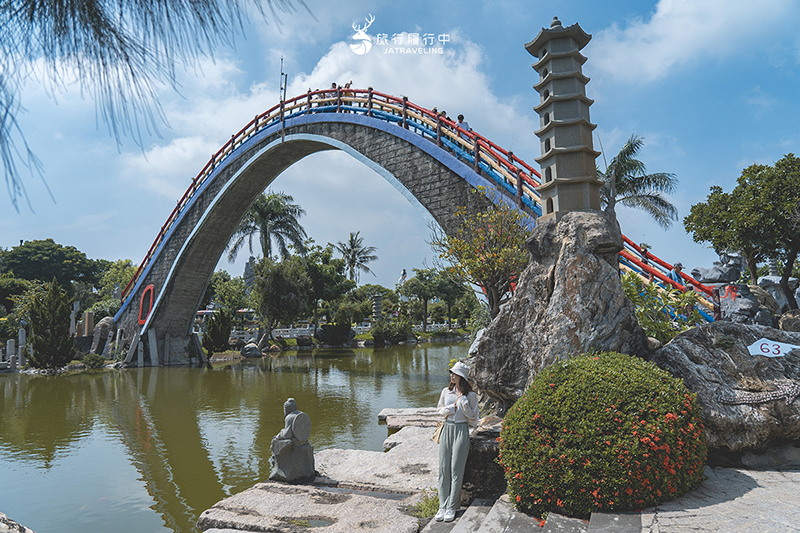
x,y
439,516
449,515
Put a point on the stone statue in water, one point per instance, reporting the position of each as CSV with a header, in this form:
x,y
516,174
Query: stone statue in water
x,y
292,455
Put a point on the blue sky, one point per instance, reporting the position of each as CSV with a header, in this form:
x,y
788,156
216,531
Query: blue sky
x,y
711,85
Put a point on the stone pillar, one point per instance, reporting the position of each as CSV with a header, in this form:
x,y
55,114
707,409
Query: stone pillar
x,y
11,348
140,354
21,346
88,323
569,174
152,347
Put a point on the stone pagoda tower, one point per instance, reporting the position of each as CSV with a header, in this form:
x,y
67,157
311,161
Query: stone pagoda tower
x,y
569,174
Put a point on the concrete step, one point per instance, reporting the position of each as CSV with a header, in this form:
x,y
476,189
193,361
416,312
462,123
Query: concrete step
x,y
615,523
498,517
467,520
474,516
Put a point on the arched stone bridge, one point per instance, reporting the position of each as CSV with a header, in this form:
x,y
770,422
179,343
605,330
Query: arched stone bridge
x,y
426,157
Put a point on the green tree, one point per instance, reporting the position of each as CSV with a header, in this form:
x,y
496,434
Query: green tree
x,y
281,291
627,182
449,290
730,222
326,277
44,260
52,345
116,274
778,211
356,255
487,250
208,295
423,286
273,217
120,52
217,333
230,295
11,285
760,217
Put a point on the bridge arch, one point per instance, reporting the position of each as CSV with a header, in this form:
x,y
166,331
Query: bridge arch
x,y
435,179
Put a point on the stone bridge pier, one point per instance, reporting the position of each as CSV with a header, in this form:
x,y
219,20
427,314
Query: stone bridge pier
x,y
155,322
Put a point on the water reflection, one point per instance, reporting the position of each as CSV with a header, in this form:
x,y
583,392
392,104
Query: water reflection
x,y
149,449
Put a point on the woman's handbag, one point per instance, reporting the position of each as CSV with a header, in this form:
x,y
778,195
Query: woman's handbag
x,y
437,432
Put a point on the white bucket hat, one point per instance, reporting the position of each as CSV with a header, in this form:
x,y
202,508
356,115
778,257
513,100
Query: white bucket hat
x,y
460,369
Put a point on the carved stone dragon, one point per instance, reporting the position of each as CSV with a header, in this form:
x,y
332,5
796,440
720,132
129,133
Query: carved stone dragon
x,y
790,391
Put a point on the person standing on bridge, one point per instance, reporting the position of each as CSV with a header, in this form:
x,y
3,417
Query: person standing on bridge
x,y
675,274
463,124
458,403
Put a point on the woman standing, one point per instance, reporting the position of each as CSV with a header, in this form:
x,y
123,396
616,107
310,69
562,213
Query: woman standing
x,y
459,405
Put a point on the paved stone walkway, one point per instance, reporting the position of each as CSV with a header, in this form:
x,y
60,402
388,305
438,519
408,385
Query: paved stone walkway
x,y
732,500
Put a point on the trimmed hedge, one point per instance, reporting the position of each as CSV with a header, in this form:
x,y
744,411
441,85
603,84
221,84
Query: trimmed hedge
x,y
602,432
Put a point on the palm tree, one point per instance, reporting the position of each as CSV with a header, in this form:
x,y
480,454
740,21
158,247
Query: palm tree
x,y
627,182
274,217
121,52
356,255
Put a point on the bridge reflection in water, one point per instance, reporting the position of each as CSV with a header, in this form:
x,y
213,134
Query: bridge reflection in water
x,y
148,449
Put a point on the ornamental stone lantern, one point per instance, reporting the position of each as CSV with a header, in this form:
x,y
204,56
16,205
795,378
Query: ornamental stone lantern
x,y
569,174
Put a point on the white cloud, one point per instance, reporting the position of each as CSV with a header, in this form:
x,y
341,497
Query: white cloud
x,y
683,32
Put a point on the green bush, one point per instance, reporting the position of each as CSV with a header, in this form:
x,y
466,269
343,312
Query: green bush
x,y
93,360
391,332
601,432
336,333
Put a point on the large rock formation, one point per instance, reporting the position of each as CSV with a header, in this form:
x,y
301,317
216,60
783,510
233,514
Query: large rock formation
x,y
714,361
102,331
569,300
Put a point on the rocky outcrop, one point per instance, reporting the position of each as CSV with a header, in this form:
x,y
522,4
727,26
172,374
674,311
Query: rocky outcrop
x,y
6,524
569,300
101,333
739,304
250,350
772,284
790,321
717,274
739,416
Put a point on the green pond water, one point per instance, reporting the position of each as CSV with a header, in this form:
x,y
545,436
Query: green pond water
x,y
147,450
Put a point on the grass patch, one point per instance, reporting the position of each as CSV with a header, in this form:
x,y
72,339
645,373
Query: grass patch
x,y
428,506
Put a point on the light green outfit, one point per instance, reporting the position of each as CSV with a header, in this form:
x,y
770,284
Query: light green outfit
x,y
453,451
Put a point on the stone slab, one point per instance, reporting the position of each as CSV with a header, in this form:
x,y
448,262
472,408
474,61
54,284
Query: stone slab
x,y
410,411
557,523
410,465
401,421
615,523
277,507
732,500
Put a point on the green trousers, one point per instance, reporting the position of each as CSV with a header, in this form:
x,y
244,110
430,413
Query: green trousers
x,y
453,451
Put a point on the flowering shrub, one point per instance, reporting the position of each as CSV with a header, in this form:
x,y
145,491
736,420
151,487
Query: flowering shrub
x,y
600,432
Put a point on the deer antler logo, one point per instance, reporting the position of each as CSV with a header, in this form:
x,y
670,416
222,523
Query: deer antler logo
x,y
361,42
